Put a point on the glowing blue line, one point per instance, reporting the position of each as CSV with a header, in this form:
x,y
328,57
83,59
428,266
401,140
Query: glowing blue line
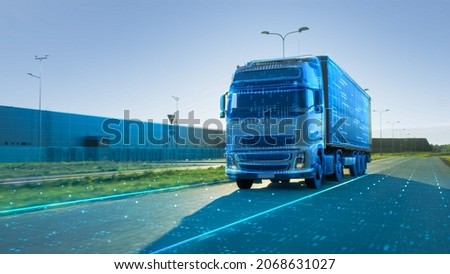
x,y
259,214
116,196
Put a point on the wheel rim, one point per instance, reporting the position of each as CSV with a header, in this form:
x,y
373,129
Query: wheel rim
x,y
316,181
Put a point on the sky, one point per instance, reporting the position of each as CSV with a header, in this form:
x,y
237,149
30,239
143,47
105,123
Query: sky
x,y
109,56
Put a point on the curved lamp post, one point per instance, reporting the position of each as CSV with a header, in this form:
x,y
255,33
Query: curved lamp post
x,y
283,37
381,131
40,99
393,123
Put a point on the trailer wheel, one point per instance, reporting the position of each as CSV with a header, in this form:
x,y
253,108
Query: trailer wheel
x,y
316,181
244,183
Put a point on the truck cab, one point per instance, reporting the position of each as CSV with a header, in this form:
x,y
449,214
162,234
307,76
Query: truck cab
x,y
301,117
274,112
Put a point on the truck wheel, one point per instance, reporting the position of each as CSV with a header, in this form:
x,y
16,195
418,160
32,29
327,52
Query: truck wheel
x,y
338,167
355,169
363,164
316,181
244,183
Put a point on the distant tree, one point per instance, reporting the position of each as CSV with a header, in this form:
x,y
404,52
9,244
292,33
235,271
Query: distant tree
x,y
441,148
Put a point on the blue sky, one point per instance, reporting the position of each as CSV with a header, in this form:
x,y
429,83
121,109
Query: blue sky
x,y
109,56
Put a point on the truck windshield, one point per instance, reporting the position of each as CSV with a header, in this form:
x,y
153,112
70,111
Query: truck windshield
x,y
269,74
279,102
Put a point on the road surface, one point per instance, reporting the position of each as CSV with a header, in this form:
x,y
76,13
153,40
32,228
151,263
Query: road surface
x,y
400,206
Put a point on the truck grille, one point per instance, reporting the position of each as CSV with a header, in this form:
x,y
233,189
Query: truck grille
x,y
262,167
265,140
274,161
244,157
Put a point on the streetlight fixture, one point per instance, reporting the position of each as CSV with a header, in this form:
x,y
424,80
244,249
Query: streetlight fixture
x,y
173,118
402,139
283,37
381,131
400,131
176,108
40,99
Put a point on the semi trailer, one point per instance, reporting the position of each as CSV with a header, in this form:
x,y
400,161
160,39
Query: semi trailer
x,y
295,118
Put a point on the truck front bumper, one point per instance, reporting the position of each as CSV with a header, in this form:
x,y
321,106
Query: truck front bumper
x,y
274,175
270,164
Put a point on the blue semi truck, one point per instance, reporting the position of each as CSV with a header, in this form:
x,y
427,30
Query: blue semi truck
x,y
290,118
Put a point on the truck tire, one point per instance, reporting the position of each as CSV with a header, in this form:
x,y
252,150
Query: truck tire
x,y
363,163
355,169
316,181
244,183
338,168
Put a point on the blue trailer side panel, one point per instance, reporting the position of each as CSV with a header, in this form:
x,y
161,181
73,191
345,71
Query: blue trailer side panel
x,y
347,109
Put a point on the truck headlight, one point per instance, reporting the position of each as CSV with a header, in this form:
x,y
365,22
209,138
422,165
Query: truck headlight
x,y
300,161
231,162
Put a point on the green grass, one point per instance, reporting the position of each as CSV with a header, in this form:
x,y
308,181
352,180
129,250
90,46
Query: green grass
x,y
66,190
444,156
20,170
445,159
376,156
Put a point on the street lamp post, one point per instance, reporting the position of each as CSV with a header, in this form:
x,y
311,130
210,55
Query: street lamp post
x,y
176,108
175,123
40,99
407,142
283,37
393,132
402,139
381,131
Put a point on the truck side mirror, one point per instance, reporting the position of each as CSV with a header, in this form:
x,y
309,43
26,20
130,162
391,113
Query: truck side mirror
x,y
223,104
318,97
318,107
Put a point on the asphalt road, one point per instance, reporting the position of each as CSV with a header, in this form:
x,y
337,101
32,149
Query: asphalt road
x,y
400,206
